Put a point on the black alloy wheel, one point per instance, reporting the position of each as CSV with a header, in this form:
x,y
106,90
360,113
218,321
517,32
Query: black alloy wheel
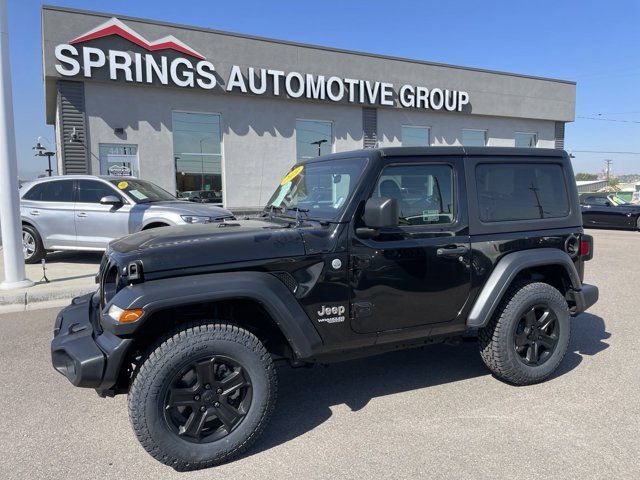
x,y
536,335
208,400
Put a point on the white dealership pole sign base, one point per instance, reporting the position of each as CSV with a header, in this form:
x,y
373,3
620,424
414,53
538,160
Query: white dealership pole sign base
x,y
14,272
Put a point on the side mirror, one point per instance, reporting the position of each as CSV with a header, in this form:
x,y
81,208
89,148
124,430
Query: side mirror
x,y
110,200
379,212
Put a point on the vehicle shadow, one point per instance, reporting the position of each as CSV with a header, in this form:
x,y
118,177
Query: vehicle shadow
x,y
306,395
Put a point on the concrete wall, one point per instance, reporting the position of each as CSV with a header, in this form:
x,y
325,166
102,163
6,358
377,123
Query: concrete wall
x,y
446,128
258,134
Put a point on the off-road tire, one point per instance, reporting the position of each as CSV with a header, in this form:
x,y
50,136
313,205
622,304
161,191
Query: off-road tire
x,y
166,359
39,253
496,340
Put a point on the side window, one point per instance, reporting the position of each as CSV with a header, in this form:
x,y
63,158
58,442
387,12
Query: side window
x,y
424,192
55,191
91,191
516,191
601,201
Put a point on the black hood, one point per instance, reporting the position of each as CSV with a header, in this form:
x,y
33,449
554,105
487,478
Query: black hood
x,y
199,246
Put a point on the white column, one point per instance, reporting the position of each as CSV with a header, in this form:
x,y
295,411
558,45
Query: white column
x,y
14,273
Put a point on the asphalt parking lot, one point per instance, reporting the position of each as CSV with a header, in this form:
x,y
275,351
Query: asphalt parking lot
x,y
434,412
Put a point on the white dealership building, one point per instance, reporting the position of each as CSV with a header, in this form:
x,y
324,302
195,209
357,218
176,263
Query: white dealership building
x,y
191,108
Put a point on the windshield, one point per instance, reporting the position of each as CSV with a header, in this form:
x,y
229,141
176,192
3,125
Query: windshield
x,y
617,200
142,191
321,188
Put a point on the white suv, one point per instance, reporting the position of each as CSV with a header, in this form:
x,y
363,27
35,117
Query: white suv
x,y
84,212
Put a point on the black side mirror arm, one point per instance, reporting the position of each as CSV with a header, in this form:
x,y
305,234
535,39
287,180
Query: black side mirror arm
x,y
366,232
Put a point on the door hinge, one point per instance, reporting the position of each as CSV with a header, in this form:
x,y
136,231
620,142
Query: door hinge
x,y
361,309
360,262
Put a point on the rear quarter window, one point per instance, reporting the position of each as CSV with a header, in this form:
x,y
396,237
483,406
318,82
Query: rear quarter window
x,y
518,191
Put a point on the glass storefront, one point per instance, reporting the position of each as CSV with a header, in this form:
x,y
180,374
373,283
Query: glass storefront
x,y
313,138
197,153
529,140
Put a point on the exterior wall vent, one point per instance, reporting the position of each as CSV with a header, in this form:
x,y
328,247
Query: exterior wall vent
x,y
370,127
559,135
72,127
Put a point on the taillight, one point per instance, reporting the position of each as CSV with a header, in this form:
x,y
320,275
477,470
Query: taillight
x,y
586,247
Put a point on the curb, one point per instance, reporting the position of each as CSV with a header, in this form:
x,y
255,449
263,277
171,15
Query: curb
x,y
30,300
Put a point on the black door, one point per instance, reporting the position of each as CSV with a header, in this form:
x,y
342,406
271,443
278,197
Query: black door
x,y
413,275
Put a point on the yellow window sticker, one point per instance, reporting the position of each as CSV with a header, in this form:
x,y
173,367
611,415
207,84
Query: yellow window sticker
x,y
123,185
292,174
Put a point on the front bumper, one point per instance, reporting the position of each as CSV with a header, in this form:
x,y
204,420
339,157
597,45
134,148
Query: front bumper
x,y
81,351
583,298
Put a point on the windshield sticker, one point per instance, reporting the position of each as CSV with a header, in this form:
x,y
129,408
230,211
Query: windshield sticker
x,y
139,195
430,215
283,193
123,185
292,174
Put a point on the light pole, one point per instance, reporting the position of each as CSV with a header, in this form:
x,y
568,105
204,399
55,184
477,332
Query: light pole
x,y
14,272
43,153
319,144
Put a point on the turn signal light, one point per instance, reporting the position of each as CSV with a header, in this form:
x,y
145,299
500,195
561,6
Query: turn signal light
x,y
130,315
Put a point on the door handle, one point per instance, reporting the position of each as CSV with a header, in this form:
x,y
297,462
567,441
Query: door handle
x,y
452,251
35,213
82,214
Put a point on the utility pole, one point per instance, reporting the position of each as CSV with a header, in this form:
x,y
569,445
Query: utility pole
x,y
14,272
608,170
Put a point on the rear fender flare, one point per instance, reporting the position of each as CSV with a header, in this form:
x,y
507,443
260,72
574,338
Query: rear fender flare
x,y
505,272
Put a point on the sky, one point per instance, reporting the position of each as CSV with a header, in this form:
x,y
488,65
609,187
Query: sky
x,y
595,43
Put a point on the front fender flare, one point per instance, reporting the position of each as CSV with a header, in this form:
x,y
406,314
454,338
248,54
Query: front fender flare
x,y
506,271
264,288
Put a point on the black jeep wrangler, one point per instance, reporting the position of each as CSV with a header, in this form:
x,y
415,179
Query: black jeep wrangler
x,y
356,253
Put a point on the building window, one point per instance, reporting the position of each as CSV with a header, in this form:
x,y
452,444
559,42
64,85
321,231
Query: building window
x,y
119,159
197,153
526,140
415,136
313,138
474,138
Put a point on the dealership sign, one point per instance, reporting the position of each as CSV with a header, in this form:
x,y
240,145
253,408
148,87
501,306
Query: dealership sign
x,y
188,68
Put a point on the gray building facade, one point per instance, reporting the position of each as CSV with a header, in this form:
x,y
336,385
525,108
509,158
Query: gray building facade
x,y
194,109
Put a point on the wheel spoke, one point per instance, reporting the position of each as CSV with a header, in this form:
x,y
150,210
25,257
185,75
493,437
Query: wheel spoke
x,y
233,382
205,371
228,415
545,320
194,424
546,341
530,317
532,353
181,397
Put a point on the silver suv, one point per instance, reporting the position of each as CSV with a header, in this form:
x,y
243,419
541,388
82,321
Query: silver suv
x,y
84,212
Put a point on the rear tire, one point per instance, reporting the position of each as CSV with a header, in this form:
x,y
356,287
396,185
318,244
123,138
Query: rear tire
x,y
32,246
203,395
528,335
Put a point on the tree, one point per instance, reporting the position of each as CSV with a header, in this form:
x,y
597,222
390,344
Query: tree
x,y
586,176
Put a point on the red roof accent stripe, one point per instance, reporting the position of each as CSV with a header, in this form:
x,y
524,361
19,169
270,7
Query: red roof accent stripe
x,y
116,30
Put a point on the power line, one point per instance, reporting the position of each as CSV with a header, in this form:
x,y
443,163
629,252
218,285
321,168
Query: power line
x,y
602,151
609,119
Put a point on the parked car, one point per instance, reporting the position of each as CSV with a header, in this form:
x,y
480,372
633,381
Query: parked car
x,y
85,212
608,210
202,196
356,253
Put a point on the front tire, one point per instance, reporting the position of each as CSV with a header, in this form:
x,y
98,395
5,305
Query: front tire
x,y
32,247
202,396
528,335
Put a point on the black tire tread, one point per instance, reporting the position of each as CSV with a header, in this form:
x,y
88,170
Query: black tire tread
x,y
159,354
495,357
